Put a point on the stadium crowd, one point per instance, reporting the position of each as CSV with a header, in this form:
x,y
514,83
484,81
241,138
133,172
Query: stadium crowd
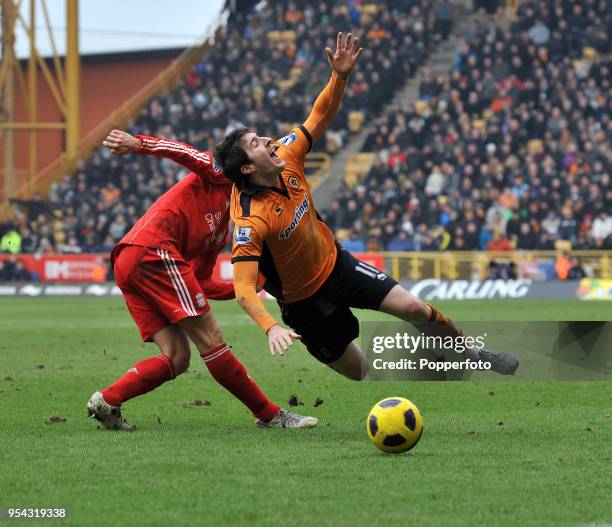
x,y
510,150
264,71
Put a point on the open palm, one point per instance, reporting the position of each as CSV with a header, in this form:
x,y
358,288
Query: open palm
x,y
346,55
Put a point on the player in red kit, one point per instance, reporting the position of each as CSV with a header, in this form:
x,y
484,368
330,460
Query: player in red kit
x,y
163,266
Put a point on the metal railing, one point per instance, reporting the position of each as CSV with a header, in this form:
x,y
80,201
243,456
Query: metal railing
x,y
475,264
316,164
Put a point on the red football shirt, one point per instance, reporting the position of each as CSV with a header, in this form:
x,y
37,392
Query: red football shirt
x,y
191,218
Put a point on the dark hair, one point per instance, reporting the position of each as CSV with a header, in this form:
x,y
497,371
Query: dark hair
x,y
230,155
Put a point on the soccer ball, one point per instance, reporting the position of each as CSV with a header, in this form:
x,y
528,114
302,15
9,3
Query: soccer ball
x,y
395,425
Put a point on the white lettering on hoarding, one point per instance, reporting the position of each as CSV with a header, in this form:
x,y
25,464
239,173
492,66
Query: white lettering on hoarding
x,y
434,289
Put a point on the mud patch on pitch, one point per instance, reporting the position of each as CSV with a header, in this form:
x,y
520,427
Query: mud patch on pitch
x,y
55,419
196,403
294,401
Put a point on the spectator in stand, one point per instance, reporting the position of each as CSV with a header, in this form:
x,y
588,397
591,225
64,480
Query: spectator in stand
x,y
71,246
400,242
526,240
499,242
493,271
511,273
11,241
576,272
354,243
13,270
602,227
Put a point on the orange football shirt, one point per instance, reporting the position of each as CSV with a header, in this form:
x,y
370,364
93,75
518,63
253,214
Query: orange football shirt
x,y
280,228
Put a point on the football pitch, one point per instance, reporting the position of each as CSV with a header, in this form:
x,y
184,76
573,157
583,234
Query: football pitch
x,y
492,453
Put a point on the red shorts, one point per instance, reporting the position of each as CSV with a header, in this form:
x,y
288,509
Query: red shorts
x,y
159,287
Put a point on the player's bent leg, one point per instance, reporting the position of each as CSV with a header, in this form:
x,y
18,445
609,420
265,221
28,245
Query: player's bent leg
x,y
431,321
353,363
141,378
228,371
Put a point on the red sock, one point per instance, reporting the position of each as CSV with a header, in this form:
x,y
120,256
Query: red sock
x,y
141,378
229,372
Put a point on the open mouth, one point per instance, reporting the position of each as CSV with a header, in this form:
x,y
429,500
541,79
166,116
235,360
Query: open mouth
x,y
273,153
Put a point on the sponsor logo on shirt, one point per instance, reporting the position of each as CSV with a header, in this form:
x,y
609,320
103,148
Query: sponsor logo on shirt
x,y
212,220
242,235
299,214
288,139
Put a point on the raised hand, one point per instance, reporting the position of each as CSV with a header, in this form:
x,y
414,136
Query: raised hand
x,y
346,55
121,143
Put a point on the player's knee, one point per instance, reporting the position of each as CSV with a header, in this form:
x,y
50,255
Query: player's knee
x,y
353,365
354,376
210,337
179,356
181,363
361,372
414,308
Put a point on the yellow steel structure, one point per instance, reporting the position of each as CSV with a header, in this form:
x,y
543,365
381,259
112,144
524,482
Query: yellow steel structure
x,y
64,87
80,146
72,79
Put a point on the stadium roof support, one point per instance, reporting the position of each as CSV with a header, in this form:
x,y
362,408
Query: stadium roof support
x,y
64,86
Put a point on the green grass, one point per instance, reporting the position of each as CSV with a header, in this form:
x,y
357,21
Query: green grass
x,y
493,453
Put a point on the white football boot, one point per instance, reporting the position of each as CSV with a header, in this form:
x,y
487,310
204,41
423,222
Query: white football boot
x,y
109,416
286,419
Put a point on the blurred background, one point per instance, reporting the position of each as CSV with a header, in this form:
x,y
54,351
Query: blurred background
x,y
471,158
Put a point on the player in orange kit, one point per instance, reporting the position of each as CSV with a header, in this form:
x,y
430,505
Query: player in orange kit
x,y
278,233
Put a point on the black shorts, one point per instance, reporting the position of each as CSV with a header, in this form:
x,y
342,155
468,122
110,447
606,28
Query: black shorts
x,y
324,320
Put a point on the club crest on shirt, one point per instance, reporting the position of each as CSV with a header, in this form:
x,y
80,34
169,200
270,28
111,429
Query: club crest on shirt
x,y
293,182
200,300
242,235
288,139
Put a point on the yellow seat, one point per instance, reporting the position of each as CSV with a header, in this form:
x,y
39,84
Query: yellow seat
x,y
563,245
357,168
285,84
355,121
535,146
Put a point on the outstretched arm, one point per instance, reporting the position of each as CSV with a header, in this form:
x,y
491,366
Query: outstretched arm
x,y
121,143
326,106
